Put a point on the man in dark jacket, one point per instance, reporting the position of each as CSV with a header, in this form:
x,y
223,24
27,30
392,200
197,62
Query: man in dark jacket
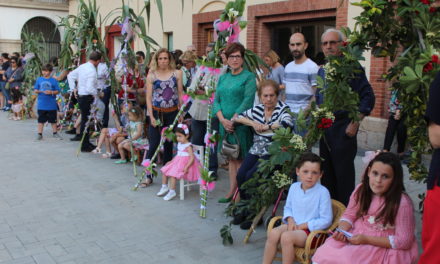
x,y
338,147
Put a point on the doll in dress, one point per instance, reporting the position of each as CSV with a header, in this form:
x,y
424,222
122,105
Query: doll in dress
x,y
183,166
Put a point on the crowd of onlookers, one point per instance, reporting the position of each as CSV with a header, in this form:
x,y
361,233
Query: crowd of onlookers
x,y
378,225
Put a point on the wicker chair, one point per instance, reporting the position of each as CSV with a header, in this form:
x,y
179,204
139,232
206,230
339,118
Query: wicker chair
x,y
304,255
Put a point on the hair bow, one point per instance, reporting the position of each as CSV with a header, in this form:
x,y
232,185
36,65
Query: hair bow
x,y
184,127
369,156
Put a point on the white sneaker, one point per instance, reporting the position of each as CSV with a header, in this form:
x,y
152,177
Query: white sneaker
x,y
163,191
171,194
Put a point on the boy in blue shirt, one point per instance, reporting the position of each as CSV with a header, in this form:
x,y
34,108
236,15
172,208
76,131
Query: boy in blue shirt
x,y
308,208
47,89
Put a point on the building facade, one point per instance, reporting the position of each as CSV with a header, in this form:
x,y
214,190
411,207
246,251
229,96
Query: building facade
x,y
36,16
270,24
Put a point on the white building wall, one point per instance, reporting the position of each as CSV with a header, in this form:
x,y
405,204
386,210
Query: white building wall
x,y
10,33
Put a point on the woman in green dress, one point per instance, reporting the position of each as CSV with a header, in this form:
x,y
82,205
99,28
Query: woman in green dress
x,y
235,94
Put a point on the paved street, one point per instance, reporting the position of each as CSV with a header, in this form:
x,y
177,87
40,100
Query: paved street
x,y
57,208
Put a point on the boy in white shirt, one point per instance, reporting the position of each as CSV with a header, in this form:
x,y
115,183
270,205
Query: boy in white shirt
x,y
308,207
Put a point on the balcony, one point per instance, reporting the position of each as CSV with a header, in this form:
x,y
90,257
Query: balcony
x,y
58,5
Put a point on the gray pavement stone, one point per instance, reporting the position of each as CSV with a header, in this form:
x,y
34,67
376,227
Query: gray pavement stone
x,y
24,260
59,208
43,258
4,255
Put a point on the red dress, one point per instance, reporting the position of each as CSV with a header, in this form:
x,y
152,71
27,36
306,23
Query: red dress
x,y
139,85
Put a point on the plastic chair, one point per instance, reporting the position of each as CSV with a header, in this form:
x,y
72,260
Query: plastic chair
x,y
199,154
315,239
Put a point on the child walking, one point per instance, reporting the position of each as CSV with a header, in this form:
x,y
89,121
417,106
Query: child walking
x,y
308,208
380,218
47,88
183,166
135,116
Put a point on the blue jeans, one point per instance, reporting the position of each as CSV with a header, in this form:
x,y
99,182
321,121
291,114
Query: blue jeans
x,y
246,171
6,93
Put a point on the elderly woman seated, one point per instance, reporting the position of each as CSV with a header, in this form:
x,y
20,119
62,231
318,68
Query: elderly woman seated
x,y
264,119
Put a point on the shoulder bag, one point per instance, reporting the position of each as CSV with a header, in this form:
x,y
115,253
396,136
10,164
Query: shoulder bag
x,y
228,150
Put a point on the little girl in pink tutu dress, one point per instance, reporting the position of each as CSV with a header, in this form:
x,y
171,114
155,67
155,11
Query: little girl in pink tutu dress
x,y
183,166
379,220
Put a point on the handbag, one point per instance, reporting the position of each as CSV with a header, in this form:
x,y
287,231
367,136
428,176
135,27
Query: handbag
x,y
229,150
8,84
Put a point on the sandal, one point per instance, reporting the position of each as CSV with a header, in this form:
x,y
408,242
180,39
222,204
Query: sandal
x,y
96,151
120,161
106,155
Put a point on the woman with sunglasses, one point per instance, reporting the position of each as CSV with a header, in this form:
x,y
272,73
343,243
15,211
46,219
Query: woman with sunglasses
x,y
13,77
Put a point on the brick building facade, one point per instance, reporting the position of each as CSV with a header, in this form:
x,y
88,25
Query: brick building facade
x,y
263,17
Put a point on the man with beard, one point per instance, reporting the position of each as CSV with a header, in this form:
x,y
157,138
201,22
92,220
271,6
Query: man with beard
x,y
300,76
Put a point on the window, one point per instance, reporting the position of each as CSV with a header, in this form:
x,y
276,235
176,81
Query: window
x,y
51,35
169,41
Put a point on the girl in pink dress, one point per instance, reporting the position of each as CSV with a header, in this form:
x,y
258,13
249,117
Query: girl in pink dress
x,y
379,220
183,166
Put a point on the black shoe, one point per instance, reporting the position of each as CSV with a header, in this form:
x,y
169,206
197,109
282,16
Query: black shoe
x,y
214,176
76,138
91,145
71,132
87,148
248,223
115,156
238,219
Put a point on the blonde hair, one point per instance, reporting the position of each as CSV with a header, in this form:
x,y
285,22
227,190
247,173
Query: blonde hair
x,y
188,56
171,66
273,56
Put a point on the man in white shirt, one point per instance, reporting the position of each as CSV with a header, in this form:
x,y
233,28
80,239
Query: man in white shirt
x,y
83,81
300,76
104,89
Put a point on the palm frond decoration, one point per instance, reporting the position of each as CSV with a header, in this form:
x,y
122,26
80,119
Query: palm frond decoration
x,y
34,59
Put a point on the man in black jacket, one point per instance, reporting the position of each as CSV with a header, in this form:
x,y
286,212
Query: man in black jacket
x,y
338,147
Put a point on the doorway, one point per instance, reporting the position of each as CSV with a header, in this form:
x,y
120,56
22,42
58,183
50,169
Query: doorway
x,y
312,30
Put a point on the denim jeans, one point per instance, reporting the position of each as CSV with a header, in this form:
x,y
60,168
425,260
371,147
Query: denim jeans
x,y
6,93
247,171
